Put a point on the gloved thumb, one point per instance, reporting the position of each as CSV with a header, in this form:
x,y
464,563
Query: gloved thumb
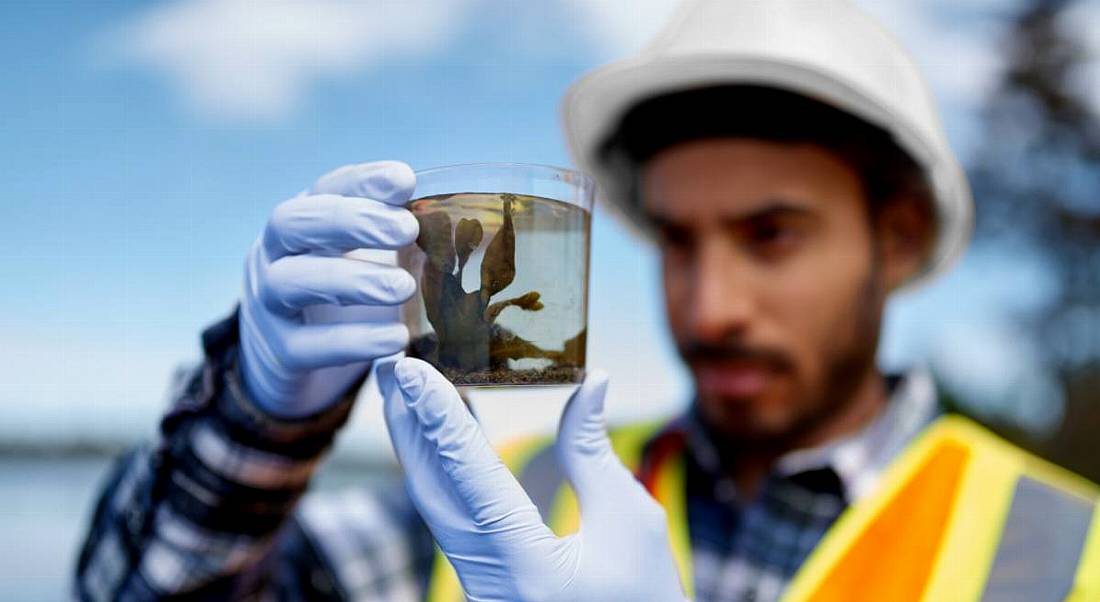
x,y
584,450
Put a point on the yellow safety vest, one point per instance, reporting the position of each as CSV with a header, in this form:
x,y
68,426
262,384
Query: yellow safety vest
x,y
960,515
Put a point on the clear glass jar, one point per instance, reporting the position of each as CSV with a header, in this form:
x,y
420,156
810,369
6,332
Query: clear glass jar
x,y
501,265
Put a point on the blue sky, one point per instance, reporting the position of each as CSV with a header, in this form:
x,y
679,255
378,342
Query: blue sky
x,y
145,143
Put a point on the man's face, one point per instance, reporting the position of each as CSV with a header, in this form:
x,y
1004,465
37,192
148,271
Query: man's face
x,y
773,280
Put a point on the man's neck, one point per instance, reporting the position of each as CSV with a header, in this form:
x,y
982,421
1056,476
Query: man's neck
x,y
751,466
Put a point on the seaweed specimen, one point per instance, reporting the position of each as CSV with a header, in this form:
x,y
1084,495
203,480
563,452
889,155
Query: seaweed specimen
x,y
468,339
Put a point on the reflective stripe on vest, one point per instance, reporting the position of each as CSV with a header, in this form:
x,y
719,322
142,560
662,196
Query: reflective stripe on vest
x,y
960,515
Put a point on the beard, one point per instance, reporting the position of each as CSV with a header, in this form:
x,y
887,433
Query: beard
x,y
810,406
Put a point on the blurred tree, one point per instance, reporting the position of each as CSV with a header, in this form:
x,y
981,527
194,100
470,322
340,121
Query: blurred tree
x,y
1037,184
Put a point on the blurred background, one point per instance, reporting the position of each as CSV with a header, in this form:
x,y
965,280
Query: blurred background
x,y
146,142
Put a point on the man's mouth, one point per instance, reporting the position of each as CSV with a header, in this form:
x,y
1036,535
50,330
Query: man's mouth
x,y
734,379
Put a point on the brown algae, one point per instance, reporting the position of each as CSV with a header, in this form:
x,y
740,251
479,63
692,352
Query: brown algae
x,y
502,288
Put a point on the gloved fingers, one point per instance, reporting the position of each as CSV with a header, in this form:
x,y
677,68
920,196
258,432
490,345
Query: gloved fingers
x,y
402,427
584,450
391,182
428,488
583,446
336,224
494,501
625,530
291,283
305,347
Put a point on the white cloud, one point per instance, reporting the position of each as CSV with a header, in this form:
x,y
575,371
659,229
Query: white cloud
x,y
955,47
619,27
1082,21
256,59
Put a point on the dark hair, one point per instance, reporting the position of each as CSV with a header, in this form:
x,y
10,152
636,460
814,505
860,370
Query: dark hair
x,y
748,111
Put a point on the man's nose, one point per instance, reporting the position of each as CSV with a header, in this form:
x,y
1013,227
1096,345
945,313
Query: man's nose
x,y
722,302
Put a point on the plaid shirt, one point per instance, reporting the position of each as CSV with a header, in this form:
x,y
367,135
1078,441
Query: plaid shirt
x,y
216,508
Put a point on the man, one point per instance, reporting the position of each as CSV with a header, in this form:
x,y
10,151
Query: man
x,y
788,162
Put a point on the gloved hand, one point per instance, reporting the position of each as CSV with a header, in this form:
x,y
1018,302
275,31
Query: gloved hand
x,y
311,319
487,526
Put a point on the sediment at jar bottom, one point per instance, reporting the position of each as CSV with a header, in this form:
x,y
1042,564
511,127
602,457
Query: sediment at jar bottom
x,y
555,375
568,367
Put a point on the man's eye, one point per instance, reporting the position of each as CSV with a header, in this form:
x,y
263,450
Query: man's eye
x,y
773,237
769,232
675,238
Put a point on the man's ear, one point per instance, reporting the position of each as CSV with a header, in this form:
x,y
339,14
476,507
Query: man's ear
x,y
905,227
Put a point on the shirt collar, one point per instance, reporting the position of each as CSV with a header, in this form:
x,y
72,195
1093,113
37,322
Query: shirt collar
x,y
859,458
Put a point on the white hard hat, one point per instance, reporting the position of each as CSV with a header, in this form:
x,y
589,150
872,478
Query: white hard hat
x,y
827,50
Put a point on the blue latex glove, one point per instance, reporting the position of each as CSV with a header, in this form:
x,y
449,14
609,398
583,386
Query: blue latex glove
x,y
311,319
487,526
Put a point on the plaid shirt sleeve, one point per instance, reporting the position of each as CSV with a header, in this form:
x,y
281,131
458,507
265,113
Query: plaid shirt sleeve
x,y
215,509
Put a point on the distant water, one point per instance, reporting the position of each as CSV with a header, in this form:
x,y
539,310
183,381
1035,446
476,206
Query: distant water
x,y
44,510
45,507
